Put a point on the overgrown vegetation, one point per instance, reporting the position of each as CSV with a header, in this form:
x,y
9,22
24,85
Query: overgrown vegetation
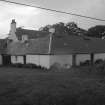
x,y
82,85
28,65
71,28
98,66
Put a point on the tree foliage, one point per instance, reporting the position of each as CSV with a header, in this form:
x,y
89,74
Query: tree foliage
x,y
70,28
96,31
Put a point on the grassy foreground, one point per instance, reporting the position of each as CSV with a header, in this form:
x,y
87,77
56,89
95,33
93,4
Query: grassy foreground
x,y
20,86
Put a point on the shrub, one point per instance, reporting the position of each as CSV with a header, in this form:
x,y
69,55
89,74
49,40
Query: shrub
x,y
98,61
85,63
18,65
100,66
29,65
56,67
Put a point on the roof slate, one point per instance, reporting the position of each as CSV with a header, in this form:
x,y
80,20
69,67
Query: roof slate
x,y
35,46
77,44
66,44
32,34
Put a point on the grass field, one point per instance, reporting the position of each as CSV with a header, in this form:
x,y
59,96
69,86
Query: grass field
x,y
20,86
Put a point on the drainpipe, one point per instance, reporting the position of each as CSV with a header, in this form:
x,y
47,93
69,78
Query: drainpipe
x,y
52,31
50,42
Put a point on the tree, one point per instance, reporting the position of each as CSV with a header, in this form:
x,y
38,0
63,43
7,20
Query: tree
x,y
96,31
73,29
46,28
62,29
59,27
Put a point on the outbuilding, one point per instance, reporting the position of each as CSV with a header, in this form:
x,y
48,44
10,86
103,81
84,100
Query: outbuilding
x,y
64,51
52,48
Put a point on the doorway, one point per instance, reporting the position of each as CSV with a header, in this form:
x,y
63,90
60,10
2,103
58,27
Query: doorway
x,y
6,59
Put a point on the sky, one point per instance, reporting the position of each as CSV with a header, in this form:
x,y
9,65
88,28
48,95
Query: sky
x,y
34,18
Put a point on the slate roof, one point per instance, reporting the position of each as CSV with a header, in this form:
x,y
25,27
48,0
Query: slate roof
x,y
77,44
32,34
35,46
64,44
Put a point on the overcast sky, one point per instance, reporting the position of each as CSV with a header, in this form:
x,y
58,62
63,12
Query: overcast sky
x,y
34,18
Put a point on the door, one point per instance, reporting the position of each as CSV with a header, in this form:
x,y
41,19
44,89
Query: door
x,y
6,59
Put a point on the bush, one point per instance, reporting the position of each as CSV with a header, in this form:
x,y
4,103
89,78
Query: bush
x,y
29,65
100,66
18,65
56,67
98,61
85,63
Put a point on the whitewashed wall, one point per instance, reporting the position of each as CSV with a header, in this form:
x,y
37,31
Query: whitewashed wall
x,y
62,60
34,59
17,59
42,60
45,61
48,60
0,60
82,58
99,56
